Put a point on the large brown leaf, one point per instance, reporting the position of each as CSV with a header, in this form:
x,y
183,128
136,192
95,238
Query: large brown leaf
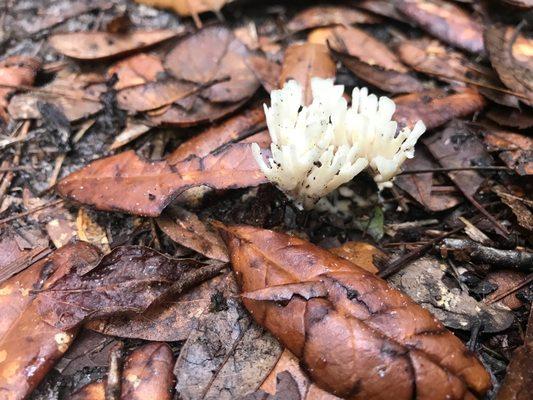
x,y
226,58
101,45
29,347
511,56
152,185
305,61
326,15
446,21
136,70
356,336
128,280
436,107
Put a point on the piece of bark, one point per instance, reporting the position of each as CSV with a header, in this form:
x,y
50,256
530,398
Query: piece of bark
x,y
302,62
354,334
446,21
147,373
102,45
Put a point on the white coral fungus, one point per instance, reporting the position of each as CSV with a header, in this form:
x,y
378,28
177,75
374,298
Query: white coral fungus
x,y
317,148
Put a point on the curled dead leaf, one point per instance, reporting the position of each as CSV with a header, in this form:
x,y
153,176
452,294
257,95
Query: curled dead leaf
x,y
359,339
101,45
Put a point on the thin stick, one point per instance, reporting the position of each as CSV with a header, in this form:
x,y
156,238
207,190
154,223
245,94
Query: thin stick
x,y
475,168
33,210
528,279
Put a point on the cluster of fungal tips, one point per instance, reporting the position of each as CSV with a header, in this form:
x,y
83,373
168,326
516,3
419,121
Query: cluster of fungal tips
x,y
319,147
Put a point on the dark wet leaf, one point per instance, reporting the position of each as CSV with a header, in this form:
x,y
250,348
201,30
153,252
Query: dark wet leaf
x,y
509,117
446,21
227,354
186,229
317,16
511,55
101,45
29,347
172,320
340,331
128,280
147,373
517,204
305,61
422,280
436,107
421,187
188,61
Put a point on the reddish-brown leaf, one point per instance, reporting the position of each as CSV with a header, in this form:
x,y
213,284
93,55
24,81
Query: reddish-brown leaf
x,y
152,95
152,185
505,280
14,71
186,229
446,21
91,391
147,373
436,107
511,55
305,61
363,254
128,280
29,347
226,58
136,70
317,16
355,335
101,45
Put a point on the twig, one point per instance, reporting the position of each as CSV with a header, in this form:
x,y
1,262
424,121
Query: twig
x,y
476,168
33,210
526,281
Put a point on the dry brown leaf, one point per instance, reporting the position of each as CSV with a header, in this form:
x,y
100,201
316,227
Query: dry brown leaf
x,y
446,21
327,15
186,229
511,55
188,61
517,149
187,8
266,71
15,71
101,45
136,70
29,347
305,61
147,373
505,280
91,391
338,319
436,107
360,253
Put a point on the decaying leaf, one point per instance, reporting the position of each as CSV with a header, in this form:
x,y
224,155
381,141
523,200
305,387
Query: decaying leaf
x,y
266,71
186,229
326,15
421,187
101,45
509,117
132,131
446,21
15,71
188,61
505,280
524,217
455,147
128,280
385,8
305,61
172,320
286,388
363,254
355,335
136,70
152,185
436,107
147,373
519,380
422,281
29,347
511,54
226,357
90,231
517,149
91,391
187,7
